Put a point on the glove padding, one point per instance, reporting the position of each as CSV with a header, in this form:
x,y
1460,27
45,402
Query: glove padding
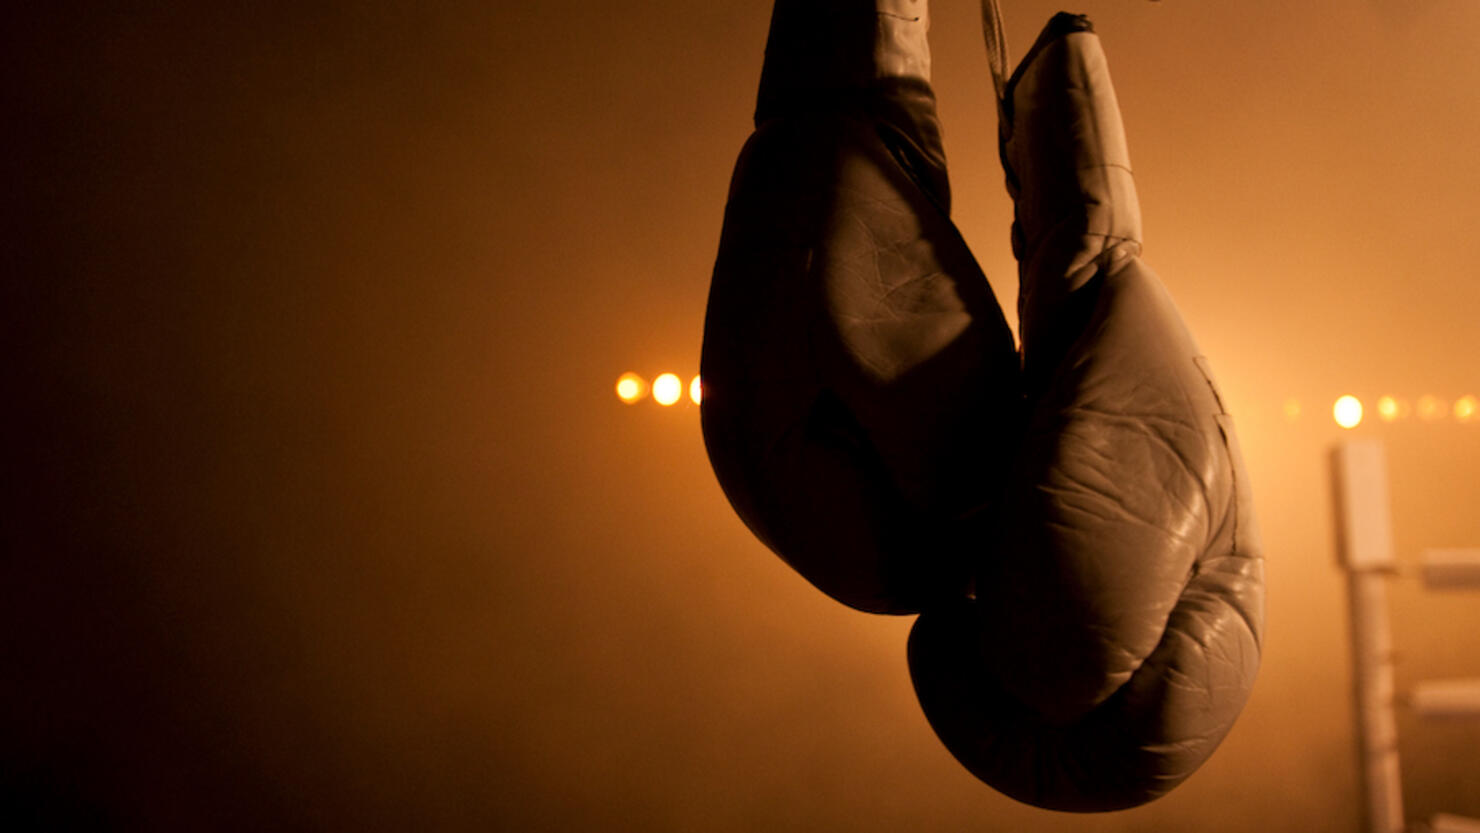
x,y
1114,634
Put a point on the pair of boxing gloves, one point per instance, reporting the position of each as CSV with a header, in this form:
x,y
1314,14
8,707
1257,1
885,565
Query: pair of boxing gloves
x,y
1072,520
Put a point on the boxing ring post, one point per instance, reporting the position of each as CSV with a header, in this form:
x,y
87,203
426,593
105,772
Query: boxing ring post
x,y
1365,545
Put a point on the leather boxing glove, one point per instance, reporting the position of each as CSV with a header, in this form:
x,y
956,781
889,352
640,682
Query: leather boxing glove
x,y
1114,635
859,376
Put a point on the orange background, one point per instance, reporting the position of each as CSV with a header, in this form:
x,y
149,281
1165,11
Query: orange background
x,y
322,513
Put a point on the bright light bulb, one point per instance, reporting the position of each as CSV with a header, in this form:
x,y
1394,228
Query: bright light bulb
x,y
1466,408
667,389
630,388
1348,412
1389,408
696,392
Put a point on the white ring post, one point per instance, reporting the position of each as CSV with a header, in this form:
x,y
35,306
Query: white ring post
x,y
1365,542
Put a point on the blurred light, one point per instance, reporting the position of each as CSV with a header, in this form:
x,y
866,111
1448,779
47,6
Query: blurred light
x,y
1466,408
667,389
1390,409
1430,408
630,388
695,391
1292,409
1348,412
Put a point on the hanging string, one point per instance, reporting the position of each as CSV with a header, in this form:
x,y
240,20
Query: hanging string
x,y
996,36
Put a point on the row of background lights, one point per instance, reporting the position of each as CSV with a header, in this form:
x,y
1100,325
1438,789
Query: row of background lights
x,y
667,389
1348,410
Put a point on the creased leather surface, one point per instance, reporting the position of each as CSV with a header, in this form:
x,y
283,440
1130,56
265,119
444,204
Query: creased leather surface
x,y
1077,528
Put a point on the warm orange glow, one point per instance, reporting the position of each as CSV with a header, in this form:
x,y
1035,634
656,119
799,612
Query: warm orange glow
x,y
1292,409
1430,408
1466,408
696,392
631,387
667,389
1390,409
1348,412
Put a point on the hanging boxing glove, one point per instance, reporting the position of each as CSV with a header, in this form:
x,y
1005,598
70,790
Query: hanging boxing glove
x,y
859,377
1115,630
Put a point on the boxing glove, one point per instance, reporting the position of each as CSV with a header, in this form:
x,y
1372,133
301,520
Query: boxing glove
x,y
1115,629
859,376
